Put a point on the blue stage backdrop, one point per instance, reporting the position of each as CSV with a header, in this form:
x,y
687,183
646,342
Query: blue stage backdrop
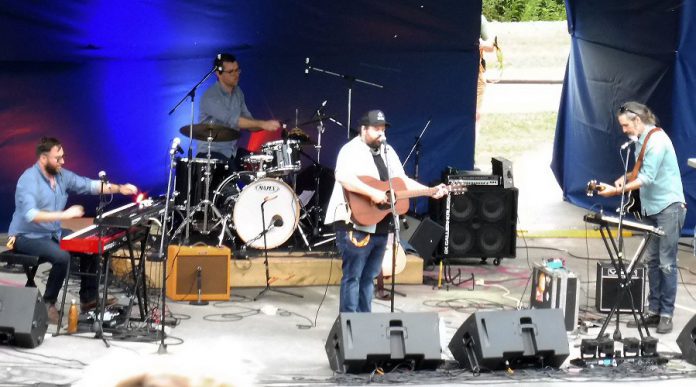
x,y
102,77
639,50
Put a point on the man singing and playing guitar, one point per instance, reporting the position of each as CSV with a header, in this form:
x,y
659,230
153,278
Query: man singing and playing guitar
x,y
656,174
359,208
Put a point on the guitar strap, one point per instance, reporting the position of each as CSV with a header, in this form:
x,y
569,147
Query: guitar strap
x,y
639,161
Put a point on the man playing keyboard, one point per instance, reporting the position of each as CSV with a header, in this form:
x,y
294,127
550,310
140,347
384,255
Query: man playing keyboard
x,y
40,200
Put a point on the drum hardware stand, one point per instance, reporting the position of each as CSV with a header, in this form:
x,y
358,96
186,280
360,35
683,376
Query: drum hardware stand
x,y
205,205
265,253
351,80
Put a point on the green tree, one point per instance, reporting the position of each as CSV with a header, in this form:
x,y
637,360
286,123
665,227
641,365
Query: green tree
x,y
524,10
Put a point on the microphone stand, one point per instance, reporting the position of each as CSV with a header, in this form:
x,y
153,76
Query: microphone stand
x,y
192,95
351,80
99,308
265,258
417,148
395,220
621,270
161,255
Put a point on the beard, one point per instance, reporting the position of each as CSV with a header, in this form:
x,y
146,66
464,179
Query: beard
x,y
52,170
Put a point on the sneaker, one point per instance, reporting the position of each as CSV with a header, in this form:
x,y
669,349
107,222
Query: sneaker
x,y
53,315
651,320
87,306
665,325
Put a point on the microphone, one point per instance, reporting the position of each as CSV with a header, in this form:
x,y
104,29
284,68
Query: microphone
x,y
277,221
103,178
176,148
382,138
627,144
218,63
321,108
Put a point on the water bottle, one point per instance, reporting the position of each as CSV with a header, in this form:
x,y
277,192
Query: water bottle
x,y
72,317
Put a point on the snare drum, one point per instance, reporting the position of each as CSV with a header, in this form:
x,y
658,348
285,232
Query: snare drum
x,y
281,208
218,172
286,157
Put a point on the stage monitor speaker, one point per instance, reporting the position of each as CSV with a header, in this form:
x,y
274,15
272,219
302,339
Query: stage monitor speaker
x,y
498,340
423,235
503,168
482,223
182,273
360,342
687,341
23,317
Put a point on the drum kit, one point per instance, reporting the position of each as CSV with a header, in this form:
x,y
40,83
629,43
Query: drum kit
x,y
258,205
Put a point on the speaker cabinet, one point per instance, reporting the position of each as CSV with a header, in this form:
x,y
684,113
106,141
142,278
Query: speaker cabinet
x,y
687,341
360,342
23,317
423,235
482,223
183,265
496,340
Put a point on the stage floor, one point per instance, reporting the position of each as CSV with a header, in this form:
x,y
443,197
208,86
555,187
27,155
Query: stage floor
x,y
279,339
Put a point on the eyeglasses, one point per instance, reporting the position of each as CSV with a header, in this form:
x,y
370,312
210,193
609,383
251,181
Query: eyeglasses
x,y
57,158
233,71
623,109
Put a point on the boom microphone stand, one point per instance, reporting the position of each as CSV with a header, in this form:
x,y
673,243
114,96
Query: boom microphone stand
x,y
351,80
265,252
192,95
417,148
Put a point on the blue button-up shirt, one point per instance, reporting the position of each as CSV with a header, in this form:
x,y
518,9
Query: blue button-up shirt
x,y
34,194
221,107
659,175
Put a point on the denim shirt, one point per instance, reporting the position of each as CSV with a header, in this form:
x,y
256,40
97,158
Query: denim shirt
x,y
34,194
660,178
221,107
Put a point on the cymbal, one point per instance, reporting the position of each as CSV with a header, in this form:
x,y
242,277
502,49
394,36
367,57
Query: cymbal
x,y
216,131
314,120
299,135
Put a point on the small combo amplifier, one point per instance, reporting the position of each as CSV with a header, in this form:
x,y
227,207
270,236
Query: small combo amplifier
x,y
187,267
608,289
556,289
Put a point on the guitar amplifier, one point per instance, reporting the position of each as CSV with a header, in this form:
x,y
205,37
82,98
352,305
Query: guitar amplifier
x,y
183,266
608,289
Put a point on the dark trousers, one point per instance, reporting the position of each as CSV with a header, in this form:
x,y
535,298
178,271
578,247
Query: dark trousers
x,y
48,250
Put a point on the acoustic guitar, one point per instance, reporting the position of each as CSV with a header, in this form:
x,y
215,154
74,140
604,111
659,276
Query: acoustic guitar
x,y
632,205
366,213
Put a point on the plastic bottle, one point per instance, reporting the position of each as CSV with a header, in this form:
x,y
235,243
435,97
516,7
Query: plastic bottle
x,y
72,317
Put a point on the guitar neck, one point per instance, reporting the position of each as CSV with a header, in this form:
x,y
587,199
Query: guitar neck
x,y
414,193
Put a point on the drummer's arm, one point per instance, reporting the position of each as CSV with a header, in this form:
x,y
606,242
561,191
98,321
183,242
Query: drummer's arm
x,y
256,125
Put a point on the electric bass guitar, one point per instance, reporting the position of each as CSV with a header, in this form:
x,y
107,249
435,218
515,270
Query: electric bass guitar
x,y
632,205
366,213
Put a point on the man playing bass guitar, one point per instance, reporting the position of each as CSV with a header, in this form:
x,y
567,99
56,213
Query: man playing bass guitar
x,y
361,168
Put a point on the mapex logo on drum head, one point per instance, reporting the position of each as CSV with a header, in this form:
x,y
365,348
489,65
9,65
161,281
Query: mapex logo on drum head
x,y
267,188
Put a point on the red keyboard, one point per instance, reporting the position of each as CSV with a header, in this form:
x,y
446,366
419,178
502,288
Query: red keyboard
x,y
87,240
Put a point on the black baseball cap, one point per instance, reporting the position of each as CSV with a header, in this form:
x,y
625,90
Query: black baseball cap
x,y
373,118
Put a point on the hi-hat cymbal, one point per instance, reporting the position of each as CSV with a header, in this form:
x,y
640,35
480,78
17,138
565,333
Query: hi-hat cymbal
x,y
299,135
216,131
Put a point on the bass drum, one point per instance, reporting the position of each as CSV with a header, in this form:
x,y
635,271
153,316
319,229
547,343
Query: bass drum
x,y
226,194
282,208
